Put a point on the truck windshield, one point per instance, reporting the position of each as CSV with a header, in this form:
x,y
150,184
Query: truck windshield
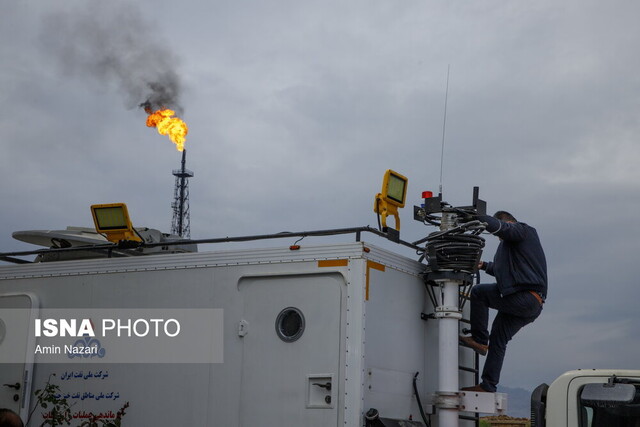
x,y
610,415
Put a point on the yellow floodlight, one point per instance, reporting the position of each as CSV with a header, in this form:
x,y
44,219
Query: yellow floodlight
x,y
392,197
112,219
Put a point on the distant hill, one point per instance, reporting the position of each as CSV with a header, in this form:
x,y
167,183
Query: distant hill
x,y
518,403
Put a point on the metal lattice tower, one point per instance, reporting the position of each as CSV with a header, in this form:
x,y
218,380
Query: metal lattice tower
x,y
181,222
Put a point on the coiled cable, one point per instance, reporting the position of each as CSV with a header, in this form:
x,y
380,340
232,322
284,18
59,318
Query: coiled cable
x,y
457,249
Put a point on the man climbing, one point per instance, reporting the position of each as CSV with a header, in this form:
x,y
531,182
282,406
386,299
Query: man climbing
x,y
520,269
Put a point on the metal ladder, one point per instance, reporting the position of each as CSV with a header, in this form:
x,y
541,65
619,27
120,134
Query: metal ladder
x,y
475,369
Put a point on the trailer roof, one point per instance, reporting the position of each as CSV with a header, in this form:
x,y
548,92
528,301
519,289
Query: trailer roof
x,y
353,250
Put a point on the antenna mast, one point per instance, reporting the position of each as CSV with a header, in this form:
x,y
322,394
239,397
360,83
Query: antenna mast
x,y
444,128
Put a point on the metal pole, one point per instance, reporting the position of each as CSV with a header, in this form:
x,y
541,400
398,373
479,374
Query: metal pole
x,y
448,314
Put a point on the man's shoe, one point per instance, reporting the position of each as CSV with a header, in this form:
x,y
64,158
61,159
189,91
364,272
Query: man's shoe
x,y
474,345
474,388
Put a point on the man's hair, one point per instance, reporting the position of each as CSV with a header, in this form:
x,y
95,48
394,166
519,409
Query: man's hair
x,y
504,216
8,418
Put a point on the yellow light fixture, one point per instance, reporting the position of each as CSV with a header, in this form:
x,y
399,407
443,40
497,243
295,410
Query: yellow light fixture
x,y
392,197
112,219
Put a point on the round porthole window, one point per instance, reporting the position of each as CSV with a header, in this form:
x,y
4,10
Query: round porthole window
x,y
290,324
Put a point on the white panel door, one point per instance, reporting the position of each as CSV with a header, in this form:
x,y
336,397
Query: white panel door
x,y
17,343
291,350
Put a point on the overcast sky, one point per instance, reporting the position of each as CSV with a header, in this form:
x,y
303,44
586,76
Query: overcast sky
x,y
296,109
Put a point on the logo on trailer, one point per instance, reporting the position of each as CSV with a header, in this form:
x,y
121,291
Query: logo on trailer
x,y
86,347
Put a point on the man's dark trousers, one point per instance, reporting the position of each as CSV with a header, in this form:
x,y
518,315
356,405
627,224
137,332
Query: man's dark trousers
x,y
514,312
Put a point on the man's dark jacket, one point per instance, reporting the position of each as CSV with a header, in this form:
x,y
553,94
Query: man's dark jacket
x,y
519,263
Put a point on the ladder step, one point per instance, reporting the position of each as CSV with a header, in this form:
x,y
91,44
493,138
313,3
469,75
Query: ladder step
x,y
470,418
466,369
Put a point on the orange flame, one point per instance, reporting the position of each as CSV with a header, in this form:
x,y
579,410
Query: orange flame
x,y
167,124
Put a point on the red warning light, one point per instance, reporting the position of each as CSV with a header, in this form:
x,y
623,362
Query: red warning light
x,y
427,194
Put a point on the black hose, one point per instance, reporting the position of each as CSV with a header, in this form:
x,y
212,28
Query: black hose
x,y
415,390
378,212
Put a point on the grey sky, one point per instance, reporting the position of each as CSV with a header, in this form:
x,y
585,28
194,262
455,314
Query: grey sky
x,y
296,109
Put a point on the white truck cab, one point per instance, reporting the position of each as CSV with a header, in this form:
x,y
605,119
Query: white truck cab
x,y
588,398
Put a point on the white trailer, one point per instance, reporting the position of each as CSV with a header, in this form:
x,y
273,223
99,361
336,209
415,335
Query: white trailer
x,y
314,336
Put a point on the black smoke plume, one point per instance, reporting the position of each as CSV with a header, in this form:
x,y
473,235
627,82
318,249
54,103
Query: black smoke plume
x,y
111,43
